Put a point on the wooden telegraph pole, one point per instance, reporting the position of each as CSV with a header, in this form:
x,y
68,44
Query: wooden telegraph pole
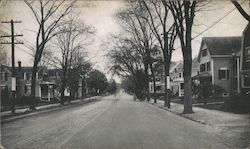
x,y
13,79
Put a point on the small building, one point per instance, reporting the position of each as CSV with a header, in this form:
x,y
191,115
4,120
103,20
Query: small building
x,y
219,60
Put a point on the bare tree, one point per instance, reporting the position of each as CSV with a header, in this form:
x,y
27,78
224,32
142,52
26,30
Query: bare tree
x,y
241,10
70,43
3,56
127,61
133,22
164,31
48,15
183,14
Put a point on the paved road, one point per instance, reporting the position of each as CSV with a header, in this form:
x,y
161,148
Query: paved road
x,y
109,124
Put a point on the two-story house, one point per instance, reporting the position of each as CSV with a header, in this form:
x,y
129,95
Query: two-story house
x,y
245,61
177,77
219,59
44,90
159,78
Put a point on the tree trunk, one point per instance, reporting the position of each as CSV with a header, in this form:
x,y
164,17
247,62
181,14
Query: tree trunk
x,y
83,87
62,94
147,82
187,56
187,60
187,86
33,101
166,73
62,90
153,75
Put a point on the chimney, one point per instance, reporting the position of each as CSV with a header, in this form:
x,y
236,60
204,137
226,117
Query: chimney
x,y
19,66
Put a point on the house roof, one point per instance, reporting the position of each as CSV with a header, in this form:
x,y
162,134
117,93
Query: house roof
x,y
54,72
40,69
222,45
195,63
178,65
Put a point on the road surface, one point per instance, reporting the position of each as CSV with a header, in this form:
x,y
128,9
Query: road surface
x,y
110,123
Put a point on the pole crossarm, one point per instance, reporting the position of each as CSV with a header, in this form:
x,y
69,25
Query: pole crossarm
x,y
11,43
11,21
17,35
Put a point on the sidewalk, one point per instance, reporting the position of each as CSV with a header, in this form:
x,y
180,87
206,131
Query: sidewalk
x,y
7,116
235,126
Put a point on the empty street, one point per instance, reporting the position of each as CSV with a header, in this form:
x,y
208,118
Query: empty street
x,y
108,124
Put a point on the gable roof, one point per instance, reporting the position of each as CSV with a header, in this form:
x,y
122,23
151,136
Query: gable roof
x,y
174,66
222,45
195,63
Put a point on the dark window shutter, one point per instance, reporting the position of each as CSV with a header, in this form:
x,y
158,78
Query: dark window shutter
x,y
25,89
6,76
227,74
219,74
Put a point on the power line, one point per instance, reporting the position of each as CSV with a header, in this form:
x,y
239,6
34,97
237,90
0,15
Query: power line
x,y
212,25
216,22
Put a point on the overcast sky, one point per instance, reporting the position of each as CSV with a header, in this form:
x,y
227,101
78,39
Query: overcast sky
x,y
100,14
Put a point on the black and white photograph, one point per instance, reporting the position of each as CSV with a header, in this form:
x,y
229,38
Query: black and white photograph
x,y
125,74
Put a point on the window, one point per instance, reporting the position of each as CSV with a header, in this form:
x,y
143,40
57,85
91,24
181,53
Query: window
x,y
158,88
205,67
246,80
28,76
223,74
4,76
204,52
202,68
247,53
180,74
151,88
208,66
182,86
27,89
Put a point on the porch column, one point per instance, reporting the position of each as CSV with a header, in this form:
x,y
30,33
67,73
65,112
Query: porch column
x,y
49,93
212,71
238,74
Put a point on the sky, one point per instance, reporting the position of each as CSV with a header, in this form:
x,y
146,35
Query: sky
x,y
220,19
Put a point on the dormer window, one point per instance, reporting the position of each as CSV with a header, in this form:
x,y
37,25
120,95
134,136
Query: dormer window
x,y
204,52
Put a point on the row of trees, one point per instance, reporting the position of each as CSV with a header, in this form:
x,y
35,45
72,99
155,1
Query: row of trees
x,y
60,42
61,39
151,26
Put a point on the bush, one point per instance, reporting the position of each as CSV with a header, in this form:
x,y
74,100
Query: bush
x,y
24,100
207,90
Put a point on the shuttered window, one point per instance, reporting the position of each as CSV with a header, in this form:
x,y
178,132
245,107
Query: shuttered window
x,y
4,76
223,74
247,53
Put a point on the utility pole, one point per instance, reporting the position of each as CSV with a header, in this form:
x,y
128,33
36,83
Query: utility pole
x,y
13,79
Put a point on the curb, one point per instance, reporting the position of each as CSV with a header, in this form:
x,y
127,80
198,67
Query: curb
x,y
48,110
179,114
